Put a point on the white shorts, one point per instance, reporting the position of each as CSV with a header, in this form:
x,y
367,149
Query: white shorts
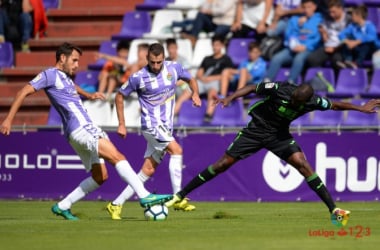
x,y
203,88
157,141
84,141
253,14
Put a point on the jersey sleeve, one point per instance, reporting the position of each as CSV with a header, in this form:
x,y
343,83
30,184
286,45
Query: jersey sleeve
x,y
321,103
267,88
183,74
131,85
41,81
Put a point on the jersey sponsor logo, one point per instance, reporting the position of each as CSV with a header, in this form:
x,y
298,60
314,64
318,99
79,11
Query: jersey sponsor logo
x,y
269,85
37,78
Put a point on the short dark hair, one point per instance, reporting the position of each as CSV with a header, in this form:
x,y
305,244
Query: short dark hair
x,y
143,46
66,49
335,3
170,41
253,45
307,1
218,38
361,10
123,44
156,49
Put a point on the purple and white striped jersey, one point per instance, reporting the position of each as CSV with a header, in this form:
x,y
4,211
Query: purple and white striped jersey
x,y
61,91
156,93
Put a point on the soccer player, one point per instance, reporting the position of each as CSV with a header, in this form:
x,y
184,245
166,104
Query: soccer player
x,y
269,129
89,141
155,85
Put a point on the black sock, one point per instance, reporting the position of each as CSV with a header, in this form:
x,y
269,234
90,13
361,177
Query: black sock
x,y
197,181
317,185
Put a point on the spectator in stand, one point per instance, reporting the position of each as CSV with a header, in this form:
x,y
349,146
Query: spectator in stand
x,y
284,9
330,29
209,76
142,61
301,38
115,71
358,39
214,16
252,16
250,71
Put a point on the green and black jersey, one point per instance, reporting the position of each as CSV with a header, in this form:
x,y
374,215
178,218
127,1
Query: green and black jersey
x,y
274,112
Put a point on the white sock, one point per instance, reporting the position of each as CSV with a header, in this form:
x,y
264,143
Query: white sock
x,y
175,170
129,175
128,191
86,186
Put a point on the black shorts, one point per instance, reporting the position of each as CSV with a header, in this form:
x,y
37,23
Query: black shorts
x,y
250,140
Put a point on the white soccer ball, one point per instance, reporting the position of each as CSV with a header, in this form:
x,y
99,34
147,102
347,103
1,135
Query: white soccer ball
x,y
156,212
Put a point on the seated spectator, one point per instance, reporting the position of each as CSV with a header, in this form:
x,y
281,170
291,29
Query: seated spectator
x,y
358,39
142,61
330,29
252,16
250,71
209,76
284,9
214,16
16,24
301,38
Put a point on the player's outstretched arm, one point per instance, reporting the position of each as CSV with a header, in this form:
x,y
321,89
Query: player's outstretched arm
x,y
90,96
119,104
238,93
5,127
195,96
369,107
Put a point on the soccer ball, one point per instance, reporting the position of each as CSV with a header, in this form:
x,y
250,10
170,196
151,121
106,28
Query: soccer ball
x,y
156,212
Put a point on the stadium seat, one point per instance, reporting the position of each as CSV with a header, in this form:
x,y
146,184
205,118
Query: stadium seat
x,y
162,24
185,4
191,116
328,74
6,55
350,82
50,4
133,48
202,48
326,118
355,118
87,79
132,113
106,47
304,120
232,115
99,111
237,49
134,25
349,3
373,16
372,3
54,119
150,5
184,49
374,87
283,75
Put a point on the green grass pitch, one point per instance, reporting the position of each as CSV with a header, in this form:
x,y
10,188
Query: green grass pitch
x,y
214,225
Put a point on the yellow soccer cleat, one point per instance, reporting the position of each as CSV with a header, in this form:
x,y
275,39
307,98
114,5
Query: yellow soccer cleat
x,y
184,205
339,217
174,200
114,211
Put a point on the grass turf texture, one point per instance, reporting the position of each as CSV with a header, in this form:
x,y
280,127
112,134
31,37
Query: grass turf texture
x,y
219,225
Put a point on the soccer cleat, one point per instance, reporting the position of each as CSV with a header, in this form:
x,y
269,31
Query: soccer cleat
x,y
176,199
184,205
114,211
154,199
339,217
64,213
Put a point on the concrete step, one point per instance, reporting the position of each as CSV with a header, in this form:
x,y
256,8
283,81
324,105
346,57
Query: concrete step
x,y
47,59
52,43
86,14
28,117
123,4
75,29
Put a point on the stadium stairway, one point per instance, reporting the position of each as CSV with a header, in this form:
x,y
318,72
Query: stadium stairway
x,y
85,23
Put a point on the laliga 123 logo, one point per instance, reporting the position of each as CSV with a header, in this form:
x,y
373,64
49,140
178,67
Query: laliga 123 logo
x,y
280,176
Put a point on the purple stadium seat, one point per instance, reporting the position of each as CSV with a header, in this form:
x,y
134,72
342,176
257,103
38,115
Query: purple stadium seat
x,y
328,74
352,2
150,5
355,118
304,120
351,82
134,25
87,79
6,55
326,118
283,74
232,115
374,87
370,3
51,4
106,47
54,118
238,49
191,116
